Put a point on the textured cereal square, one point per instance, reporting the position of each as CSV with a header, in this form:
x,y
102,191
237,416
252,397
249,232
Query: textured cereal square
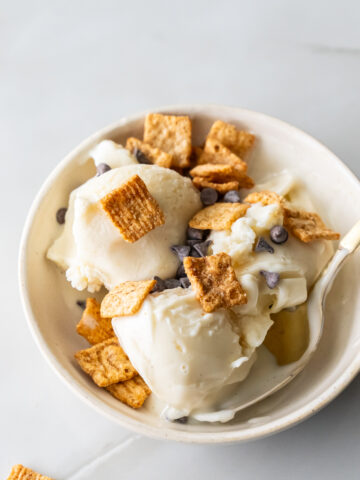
x,y
171,134
214,281
265,198
307,226
238,141
106,363
145,153
126,298
18,472
92,325
201,182
222,173
132,209
219,216
133,392
216,152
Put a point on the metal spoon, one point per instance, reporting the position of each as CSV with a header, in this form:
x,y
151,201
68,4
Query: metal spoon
x,y
266,376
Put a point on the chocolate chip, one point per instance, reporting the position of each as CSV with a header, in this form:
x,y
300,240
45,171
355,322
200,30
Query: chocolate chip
x,y
172,283
60,215
272,278
181,251
279,234
81,304
185,282
160,285
102,168
209,196
192,242
141,157
180,271
202,248
194,253
181,420
262,246
232,196
195,233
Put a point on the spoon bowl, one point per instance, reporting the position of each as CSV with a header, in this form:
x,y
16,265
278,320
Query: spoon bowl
x,y
266,376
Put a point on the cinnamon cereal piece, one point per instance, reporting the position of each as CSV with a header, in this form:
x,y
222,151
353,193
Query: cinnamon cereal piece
x,y
216,152
238,141
92,325
155,155
307,226
222,173
265,198
132,209
216,172
222,188
214,281
126,298
19,472
219,216
106,363
170,133
133,392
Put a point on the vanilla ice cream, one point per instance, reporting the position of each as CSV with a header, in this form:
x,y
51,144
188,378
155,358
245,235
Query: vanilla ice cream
x,y
184,354
91,249
112,154
188,356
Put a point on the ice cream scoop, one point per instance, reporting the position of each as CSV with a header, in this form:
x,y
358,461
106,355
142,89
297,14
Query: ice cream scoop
x,y
92,250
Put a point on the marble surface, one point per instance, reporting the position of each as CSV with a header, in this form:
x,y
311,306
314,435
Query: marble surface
x,y
68,68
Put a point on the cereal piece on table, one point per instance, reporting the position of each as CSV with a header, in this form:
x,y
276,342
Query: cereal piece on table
x,y
238,141
214,282
219,216
216,152
265,198
172,134
133,392
106,363
201,182
153,154
18,472
132,209
92,325
307,226
126,298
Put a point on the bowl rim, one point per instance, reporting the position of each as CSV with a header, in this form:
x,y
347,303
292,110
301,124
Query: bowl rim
x,y
244,434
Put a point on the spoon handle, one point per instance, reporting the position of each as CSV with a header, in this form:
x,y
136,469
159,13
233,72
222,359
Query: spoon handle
x,y
351,241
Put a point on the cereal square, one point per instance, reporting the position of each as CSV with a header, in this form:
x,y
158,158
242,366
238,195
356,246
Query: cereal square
x,y
106,363
266,197
145,153
214,281
92,325
126,298
216,152
171,134
132,209
133,392
307,226
18,472
238,141
219,216
201,182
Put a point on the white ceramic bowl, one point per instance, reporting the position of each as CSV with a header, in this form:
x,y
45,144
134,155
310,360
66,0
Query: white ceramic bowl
x,y
49,302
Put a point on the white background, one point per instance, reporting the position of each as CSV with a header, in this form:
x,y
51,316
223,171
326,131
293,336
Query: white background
x,y
68,68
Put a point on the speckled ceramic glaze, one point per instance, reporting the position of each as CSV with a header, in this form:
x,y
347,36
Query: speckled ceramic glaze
x,y
50,303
